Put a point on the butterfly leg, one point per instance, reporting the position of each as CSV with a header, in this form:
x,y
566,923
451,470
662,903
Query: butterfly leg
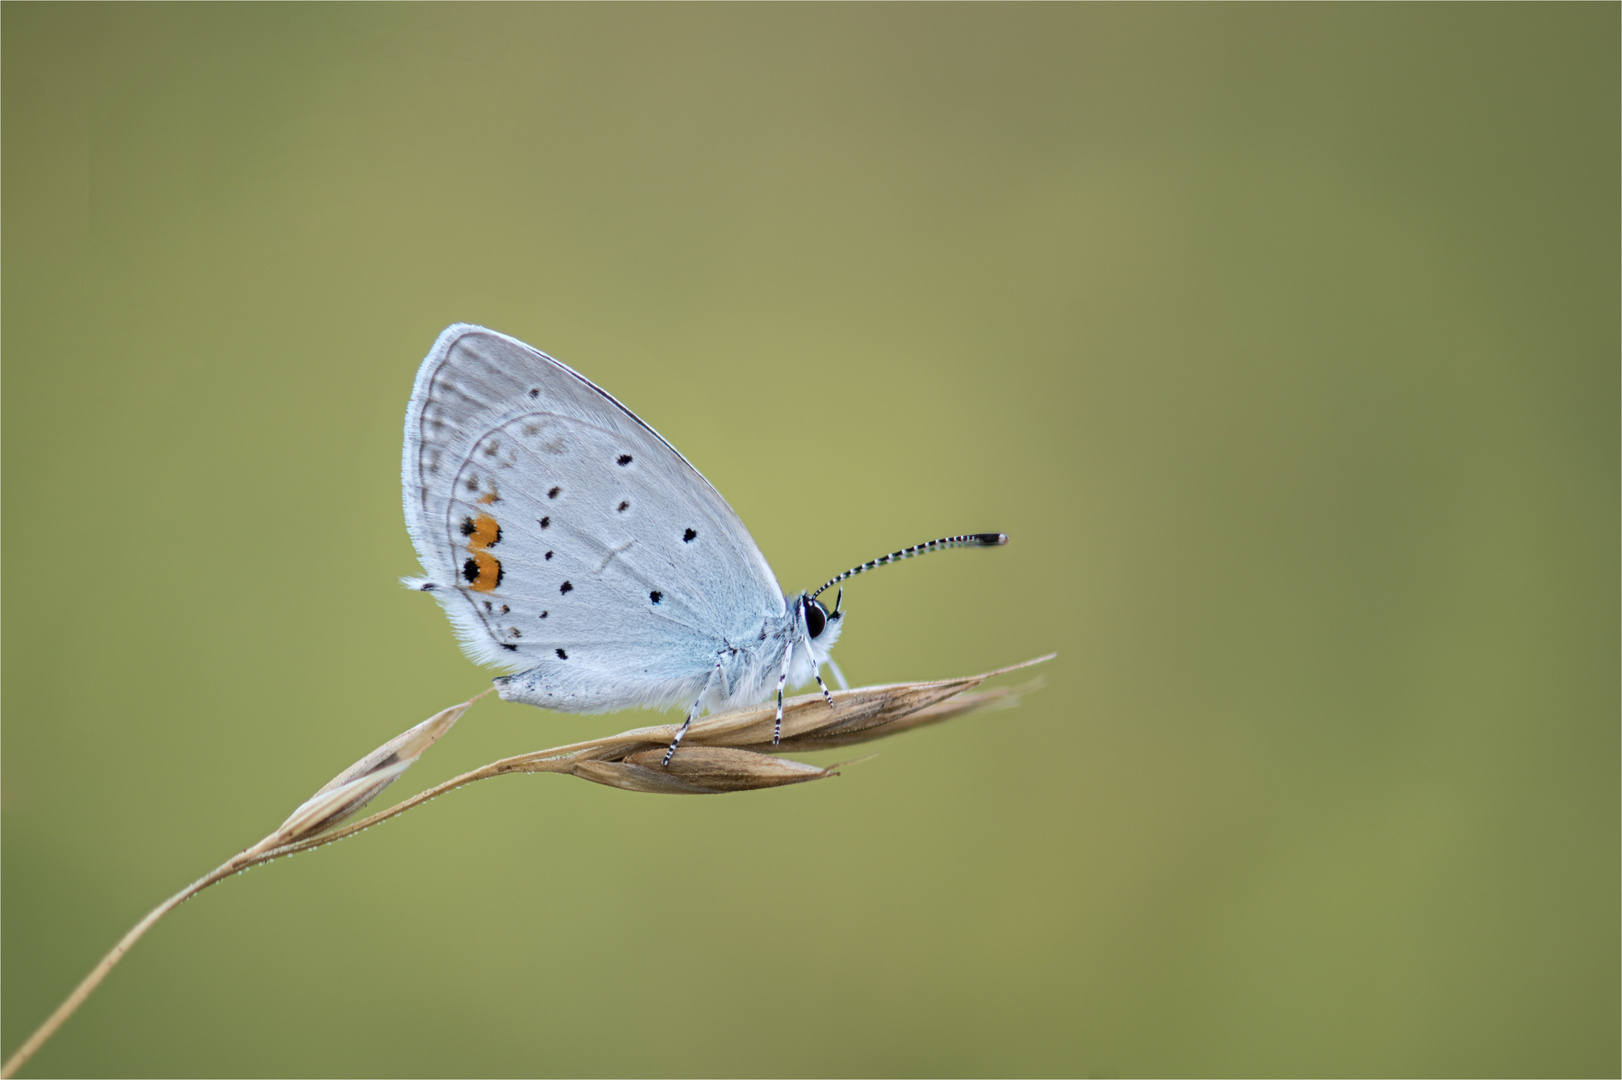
x,y
829,698
687,723
777,729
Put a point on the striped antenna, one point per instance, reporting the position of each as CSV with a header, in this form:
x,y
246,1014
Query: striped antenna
x,y
970,540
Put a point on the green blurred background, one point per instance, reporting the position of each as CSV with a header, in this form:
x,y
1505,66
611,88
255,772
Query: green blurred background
x,y
1283,341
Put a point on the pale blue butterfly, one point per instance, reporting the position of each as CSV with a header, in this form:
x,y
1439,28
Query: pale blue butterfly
x,y
569,543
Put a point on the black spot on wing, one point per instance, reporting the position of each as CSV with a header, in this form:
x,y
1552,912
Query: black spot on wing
x,y
509,648
565,588
471,572
554,493
622,507
623,459
689,536
562,655
546,523
656,596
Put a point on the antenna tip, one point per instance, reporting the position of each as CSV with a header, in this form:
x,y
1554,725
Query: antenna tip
x,y
992,539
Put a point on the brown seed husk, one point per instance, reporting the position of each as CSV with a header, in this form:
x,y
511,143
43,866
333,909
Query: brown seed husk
x,y
698,770
893,723
345,794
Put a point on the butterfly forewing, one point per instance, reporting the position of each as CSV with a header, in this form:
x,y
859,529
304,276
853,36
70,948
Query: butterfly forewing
x,y
565,535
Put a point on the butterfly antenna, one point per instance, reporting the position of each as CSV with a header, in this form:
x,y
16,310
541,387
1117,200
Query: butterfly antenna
x,y
970,540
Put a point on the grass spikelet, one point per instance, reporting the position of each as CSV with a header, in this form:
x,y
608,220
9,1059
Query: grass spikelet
x,y
345,794
702,770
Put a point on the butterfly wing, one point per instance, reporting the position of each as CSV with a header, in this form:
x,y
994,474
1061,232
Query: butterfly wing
x,y
564,537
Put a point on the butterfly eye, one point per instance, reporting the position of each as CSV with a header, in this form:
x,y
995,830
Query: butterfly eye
x,y
816,618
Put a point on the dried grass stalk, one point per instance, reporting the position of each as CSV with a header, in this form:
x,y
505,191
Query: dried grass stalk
x,y
729,752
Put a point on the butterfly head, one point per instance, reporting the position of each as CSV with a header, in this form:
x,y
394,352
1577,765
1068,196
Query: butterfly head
x,y
820,626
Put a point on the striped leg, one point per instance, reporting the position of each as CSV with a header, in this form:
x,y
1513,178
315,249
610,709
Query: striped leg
x,y
782,677
829,698
687,723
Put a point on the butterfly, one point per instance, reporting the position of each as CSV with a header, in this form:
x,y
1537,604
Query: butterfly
x,y
572,546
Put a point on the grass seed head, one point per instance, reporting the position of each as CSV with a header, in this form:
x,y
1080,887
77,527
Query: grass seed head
x,y
732,751
698,770
346,793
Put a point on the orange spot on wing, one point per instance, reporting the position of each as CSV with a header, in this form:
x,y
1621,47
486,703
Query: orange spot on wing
x,y
487,498
485,532
489,575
